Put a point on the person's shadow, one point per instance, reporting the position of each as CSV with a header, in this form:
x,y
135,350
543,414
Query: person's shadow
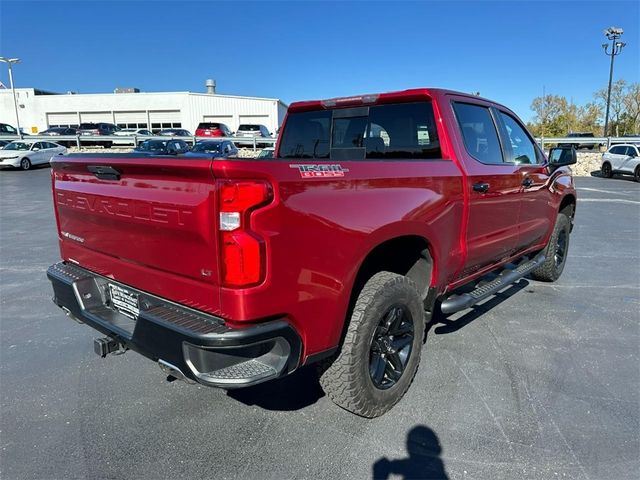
x,y
423,461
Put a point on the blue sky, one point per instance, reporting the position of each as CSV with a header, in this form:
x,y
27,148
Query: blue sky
x,y
296,50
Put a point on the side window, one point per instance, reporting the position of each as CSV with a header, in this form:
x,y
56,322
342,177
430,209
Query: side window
x,y
479,132
523,151
616,150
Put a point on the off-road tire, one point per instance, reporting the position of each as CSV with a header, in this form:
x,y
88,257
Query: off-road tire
x,y
347,380
551,269
606,170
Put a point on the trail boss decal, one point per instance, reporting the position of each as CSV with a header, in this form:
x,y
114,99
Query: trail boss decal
x,y
323,170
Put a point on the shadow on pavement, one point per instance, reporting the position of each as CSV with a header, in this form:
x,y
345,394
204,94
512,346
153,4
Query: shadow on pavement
x,y
293,392
450,326
615,176
423,460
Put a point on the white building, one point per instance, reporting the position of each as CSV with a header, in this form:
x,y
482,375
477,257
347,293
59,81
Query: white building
x,y
39,110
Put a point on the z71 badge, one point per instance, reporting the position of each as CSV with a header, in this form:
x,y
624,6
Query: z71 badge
x,y
322,170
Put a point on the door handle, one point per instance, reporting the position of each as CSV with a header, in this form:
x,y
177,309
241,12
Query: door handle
x,y
527,183
480,187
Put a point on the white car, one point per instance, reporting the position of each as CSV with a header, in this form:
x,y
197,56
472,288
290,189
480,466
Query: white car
x,y
622,159
25,153
130,132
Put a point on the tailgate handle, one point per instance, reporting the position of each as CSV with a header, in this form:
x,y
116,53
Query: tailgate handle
x,y
104,172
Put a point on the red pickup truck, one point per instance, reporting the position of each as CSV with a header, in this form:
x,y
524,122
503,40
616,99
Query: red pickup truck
x,y
373,211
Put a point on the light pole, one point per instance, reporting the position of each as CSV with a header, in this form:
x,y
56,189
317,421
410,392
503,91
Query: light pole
x,y
10,62
613,34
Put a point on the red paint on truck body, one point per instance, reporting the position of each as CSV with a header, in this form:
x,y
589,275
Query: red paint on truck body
x,y
157,227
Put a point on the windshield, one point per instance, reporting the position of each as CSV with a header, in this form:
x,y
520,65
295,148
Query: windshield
x,y
152,146
208,147
17,146
88,126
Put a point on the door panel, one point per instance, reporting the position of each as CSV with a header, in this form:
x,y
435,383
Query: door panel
x,y
37,156
629,161
536,213
491,235
493,213
534,220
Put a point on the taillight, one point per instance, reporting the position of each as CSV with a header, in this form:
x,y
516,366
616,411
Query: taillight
x,y
242,251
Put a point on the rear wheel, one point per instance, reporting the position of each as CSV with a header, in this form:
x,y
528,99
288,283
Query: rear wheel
x,y
381,349
555,252
25,164
606,170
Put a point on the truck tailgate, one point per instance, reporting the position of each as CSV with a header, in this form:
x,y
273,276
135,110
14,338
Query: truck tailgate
x,y
146,222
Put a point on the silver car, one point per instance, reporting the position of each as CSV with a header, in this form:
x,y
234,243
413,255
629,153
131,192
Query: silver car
x,y
622,159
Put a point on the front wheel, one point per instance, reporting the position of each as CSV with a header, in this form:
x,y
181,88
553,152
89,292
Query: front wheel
x,y
636,174
606,170
555,252
381,349
25,164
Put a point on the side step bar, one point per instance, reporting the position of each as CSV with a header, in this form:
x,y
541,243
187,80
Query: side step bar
x,y
456,303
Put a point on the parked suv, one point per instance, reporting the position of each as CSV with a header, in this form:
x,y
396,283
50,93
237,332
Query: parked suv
x,y
590,145
376,211
95,129
623,160
59,131
212,129
247,130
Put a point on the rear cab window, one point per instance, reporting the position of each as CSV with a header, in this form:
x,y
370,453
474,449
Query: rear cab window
x,y
390,131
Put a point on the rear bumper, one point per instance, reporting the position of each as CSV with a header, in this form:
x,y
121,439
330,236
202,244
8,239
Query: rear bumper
x,y
187,343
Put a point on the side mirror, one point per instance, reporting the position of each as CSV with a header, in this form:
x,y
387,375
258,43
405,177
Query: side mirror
x,y
561,156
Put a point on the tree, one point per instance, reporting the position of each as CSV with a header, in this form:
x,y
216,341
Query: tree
x,y
616,107
588,118
632,108
551,115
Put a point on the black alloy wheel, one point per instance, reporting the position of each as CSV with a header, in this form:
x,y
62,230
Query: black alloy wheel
x,y
391,347
561,248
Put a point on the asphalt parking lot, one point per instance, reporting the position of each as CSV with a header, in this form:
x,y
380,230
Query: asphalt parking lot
x,y
541,382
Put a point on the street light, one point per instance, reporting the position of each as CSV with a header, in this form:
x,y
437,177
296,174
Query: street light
x,y
10,62
613,34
